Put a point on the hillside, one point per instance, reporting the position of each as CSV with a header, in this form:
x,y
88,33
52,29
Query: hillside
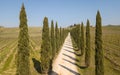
x,y
8,48
111,47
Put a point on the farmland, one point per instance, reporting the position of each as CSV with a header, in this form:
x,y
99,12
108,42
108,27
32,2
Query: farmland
x,y
111,47
8,50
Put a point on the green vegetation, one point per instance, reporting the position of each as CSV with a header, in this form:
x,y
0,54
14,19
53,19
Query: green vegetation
x,y
60,36
111,60
8,49
99,57
8,62
23,64
35,48
87,49
107,60
82,39
57,38
45,47
53,39
111,35
63,35
76,35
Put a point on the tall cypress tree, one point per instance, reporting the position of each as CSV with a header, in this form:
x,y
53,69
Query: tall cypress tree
x,y
82,39
52,38
45,47
57,37
78,37
99,58
23,64
61,36
87,49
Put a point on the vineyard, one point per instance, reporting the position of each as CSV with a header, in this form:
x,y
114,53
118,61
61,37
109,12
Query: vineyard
x,y
111,47
8,50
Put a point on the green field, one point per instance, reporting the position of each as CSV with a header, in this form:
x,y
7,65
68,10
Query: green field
x,y
8,50
111,47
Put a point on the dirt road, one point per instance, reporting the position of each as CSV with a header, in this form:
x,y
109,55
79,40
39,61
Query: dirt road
x,y
64,63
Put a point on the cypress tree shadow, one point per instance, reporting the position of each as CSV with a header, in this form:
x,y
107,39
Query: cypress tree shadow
x,y
75,73
69,47
36,65
52,73
81,67
71,57
50,68
76,49
72,52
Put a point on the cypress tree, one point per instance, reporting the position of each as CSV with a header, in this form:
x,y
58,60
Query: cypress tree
x,y
57,37
78,36
99,58
87,54
82,39
75,34
61,36
23,64
45,47
52,38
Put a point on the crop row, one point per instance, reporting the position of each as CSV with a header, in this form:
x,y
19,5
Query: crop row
x,y
9,60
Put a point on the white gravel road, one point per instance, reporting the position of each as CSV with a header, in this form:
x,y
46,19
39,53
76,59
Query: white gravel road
x,y
64,64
